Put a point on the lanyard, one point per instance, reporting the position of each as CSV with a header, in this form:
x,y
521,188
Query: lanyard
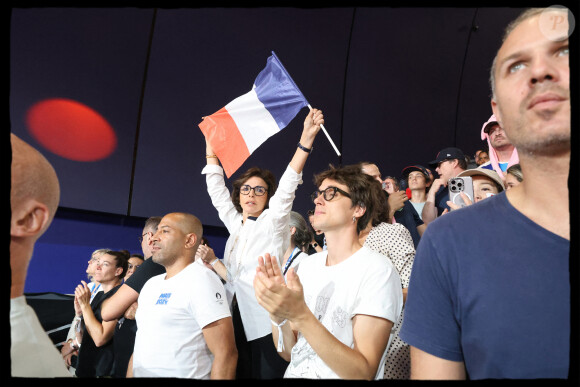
x,y
94,291
291,258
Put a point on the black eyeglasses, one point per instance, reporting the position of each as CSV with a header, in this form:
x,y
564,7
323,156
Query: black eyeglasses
x,y
328,194
143,236
258,190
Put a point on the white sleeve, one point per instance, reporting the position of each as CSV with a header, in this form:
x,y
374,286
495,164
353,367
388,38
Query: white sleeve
x,y
280,204
208,300
220,196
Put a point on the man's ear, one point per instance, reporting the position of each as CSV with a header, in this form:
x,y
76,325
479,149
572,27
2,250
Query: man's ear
x,y
190,240
360,210
29,219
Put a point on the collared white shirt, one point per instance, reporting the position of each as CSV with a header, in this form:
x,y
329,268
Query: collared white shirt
x,y
269,233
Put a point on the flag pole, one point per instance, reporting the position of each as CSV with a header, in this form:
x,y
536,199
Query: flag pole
x,y
327,136
310,107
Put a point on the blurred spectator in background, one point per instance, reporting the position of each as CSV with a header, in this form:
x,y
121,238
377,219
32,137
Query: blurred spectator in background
x,y
502,154
418,181
74,337
126,328
450,162
514,176
318,242
96,352
300,238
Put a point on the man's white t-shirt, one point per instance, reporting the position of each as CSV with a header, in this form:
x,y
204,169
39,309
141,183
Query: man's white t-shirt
x,y
170,318
365,283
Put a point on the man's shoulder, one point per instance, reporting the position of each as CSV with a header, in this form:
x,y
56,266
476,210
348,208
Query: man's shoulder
x,y
373,260
198,275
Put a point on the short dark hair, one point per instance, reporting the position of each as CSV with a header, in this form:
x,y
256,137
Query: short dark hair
x,y
462,163
152,222
121,259
264,174
365,191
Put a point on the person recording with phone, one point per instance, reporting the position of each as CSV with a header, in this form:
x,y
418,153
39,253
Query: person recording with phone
x,y
450,162
486,183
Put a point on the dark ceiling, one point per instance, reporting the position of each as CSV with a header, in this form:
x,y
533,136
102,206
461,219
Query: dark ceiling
x,y
396,85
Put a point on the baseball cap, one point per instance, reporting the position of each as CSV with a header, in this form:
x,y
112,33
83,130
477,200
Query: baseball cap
x,y
484,172
405,172
487,125
447,154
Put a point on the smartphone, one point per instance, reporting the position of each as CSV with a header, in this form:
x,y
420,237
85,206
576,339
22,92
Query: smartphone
x,y
456,185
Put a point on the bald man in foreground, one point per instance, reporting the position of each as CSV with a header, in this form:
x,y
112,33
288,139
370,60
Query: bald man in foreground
x,y
34,197
184,325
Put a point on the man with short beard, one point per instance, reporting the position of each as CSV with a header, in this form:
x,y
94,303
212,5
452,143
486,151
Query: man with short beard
x,y
497,305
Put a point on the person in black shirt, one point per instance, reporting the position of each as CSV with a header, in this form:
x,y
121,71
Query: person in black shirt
x,y
96,353
123,304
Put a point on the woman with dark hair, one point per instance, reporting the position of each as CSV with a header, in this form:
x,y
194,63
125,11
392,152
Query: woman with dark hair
x,y
256,215
96,352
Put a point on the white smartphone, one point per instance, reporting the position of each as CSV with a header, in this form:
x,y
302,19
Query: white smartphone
x,y
456,185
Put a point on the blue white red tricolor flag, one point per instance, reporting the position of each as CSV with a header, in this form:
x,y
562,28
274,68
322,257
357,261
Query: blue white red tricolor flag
x,y
238,129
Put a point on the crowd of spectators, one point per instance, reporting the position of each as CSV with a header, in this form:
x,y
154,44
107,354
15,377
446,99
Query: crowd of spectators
x,y
384,278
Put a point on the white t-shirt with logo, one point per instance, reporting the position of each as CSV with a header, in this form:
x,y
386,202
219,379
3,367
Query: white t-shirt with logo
x,y
365,283
170,318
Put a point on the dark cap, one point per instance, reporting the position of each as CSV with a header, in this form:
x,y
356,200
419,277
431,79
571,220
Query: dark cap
x,y
448,154
488,124
405,172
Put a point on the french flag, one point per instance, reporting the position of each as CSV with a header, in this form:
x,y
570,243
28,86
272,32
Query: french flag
x,y
238,129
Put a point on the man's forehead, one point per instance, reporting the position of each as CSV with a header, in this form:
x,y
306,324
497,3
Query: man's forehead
x,y
332,183
533,32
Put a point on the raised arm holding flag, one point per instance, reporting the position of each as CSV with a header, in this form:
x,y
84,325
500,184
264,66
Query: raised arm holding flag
x,y
238,129
256,215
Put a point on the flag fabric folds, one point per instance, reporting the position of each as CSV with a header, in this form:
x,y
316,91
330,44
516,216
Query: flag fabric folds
x,y
238,129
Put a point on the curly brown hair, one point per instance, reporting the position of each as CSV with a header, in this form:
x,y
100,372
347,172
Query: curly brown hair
x,y
264,174
364,191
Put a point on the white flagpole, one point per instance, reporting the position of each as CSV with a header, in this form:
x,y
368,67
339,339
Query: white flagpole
x,y
327,136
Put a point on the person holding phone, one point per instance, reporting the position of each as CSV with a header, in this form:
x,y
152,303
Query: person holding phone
x,y
449,163
486,183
